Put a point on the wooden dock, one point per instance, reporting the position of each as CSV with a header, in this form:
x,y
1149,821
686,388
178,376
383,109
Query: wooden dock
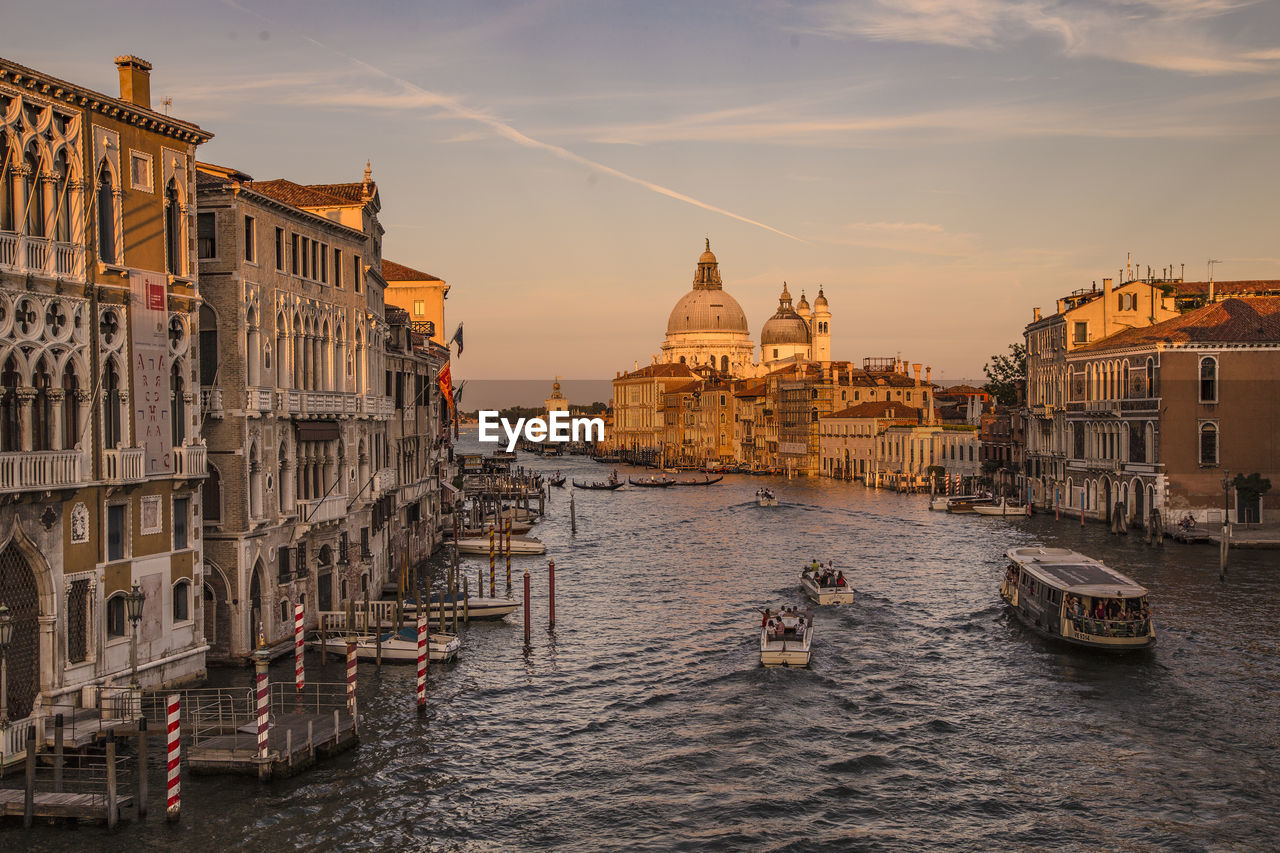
x,y
48,804
294,742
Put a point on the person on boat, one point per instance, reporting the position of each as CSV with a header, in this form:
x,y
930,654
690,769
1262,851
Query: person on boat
x,y
840,581
815,567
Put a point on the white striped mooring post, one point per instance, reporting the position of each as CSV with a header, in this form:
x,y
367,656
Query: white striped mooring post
x,y
299,675
351,678
260,665
422,659
173,784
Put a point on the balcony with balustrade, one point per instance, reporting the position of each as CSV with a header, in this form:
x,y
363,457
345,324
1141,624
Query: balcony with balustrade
x,y
123,465
321,510
40,470
189,461
259,400
211,402
41,256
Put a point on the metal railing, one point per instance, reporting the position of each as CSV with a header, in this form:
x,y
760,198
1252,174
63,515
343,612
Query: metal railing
x,y
1111,627
215,711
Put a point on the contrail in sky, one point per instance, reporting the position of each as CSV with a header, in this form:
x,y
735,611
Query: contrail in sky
x,y
508,132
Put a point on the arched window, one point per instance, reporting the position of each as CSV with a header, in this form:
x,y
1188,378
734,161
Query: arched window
x,y
106,215
42,408
182,601
7,181
212,490
255,483
1208,443
113,418
208,346
61,203
724,364
10,423
177,405
1208,380
172,229
33,192
115,615
70,407
1151,377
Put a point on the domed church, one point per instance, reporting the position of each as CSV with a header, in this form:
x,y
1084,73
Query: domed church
x,y
708,327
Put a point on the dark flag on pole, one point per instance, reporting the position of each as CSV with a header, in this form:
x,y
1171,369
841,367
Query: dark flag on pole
x,y
457,338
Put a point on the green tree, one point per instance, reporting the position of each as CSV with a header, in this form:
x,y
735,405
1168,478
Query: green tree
x,y
1006,374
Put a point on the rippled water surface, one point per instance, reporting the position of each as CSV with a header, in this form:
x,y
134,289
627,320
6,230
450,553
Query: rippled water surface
x,y
928,720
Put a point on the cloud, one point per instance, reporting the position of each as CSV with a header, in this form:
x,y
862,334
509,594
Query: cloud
x,y
1172,35
924,238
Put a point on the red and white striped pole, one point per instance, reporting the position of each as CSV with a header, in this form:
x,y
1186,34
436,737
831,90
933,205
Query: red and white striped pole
x,y
422,658
174,755
260,664
299,677
351,677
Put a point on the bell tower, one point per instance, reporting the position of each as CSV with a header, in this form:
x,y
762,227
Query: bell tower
x,y
820,324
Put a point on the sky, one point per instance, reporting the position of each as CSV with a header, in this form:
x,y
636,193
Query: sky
x,y
939,168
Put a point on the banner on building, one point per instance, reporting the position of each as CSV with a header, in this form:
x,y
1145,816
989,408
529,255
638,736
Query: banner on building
x,y
446,386
149,324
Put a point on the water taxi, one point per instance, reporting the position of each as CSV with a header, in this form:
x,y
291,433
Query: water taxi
x,y
785,637
964,504
397,646
1002,507
825,586
521,546
474,606
943,502
1065,595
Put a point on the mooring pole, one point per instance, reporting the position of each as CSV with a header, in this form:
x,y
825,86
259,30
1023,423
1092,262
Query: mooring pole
x,y
112,813
173,807
527,640
422,661
551,590
58,755
573,515
142,768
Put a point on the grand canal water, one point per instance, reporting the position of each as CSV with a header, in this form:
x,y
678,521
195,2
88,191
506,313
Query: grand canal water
x,y
929,719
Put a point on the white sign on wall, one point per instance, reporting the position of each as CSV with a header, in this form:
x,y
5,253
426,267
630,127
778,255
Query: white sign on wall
x,y
149,316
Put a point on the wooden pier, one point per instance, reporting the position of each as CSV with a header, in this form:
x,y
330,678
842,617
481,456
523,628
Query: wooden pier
x,y
50,805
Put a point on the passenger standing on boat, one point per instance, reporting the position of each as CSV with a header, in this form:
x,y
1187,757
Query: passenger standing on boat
x,y
840,581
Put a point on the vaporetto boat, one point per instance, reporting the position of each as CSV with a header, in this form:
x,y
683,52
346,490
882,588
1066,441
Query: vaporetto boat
x,y
1064,595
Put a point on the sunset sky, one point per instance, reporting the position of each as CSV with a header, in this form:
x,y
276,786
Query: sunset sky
x,y
939,167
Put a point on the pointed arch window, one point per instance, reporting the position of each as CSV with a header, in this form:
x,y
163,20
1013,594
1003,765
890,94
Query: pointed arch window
x,y
106,204
33,194
172,228
177,405
10,424
42,408
208,346
70,407
8,181
113,419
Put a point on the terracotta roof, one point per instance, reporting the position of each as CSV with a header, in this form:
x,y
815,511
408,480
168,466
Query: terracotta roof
x,y
751,388
677,370
353,192
1230,321
683,387
1255,287
879,409
297,195
960,389
392,271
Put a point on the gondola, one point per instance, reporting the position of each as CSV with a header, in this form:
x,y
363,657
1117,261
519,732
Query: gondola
x,y
557,481
706,482
652,484
599,486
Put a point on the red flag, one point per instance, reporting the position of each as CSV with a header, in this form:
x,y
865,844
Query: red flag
x,y
446,386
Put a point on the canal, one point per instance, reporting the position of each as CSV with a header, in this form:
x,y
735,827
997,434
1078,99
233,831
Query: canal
x,y
929,719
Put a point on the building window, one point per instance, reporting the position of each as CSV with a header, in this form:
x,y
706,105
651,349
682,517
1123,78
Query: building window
x,y
182,601
1209,444
140,171
324,262
206,236
282,562
315,270
337,268
117,516
180,523
1081,333
250,240
280,249
173,246
293,254
357,272
419,308
1208,380
106,216
284,610
115,615
78,621
307,257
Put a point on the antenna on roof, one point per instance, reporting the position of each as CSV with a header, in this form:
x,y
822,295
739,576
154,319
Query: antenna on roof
x,y
167,102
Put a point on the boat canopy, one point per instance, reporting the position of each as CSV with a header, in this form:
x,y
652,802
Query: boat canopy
x,y
1073,572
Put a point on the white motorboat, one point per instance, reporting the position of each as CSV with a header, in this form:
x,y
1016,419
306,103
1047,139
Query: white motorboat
x,y
785,637
1002,507
965,504
766,497
521,546
826,587
397,646
475,607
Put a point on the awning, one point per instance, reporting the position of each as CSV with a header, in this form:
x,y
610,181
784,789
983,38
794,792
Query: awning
x,y
317,430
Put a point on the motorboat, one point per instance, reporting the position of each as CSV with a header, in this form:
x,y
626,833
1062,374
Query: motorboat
x,y
475,607
520,545
964,504
1064,595
766,497
825,586
785,637
400,646
652,482
1003,507
518,528
943,502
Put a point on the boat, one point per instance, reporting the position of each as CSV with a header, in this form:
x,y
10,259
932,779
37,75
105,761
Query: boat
x,y
765,497
606,459
1064,595
476,607
557,481
520,546
826,586
785,637
706,482
652,483
942,502
518,528
1003,507
597,485
399,646
964,504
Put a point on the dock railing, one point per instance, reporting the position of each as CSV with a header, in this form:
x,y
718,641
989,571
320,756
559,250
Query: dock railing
x,y
215,711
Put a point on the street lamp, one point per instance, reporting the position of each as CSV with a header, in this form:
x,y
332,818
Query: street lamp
x,y
133,607
6,637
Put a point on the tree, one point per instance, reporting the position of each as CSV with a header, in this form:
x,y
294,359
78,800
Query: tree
x,y
1006,374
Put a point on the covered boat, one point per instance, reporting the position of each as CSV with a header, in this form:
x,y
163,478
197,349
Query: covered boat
x,y
785,637
964,504
1062,594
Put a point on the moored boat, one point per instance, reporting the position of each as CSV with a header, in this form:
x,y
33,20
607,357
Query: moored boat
x,y
1002,507
785,637
399,646
964,504
942,502
475,606
597,485
1062,594
825,586
652,482
520,545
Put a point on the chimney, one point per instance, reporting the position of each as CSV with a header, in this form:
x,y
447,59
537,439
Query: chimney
x,y
1035,314
928,374
1106,307
915,368
135,80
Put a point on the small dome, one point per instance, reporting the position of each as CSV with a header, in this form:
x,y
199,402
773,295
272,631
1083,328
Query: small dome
x,y
707,257
785,326
803,305
821,301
